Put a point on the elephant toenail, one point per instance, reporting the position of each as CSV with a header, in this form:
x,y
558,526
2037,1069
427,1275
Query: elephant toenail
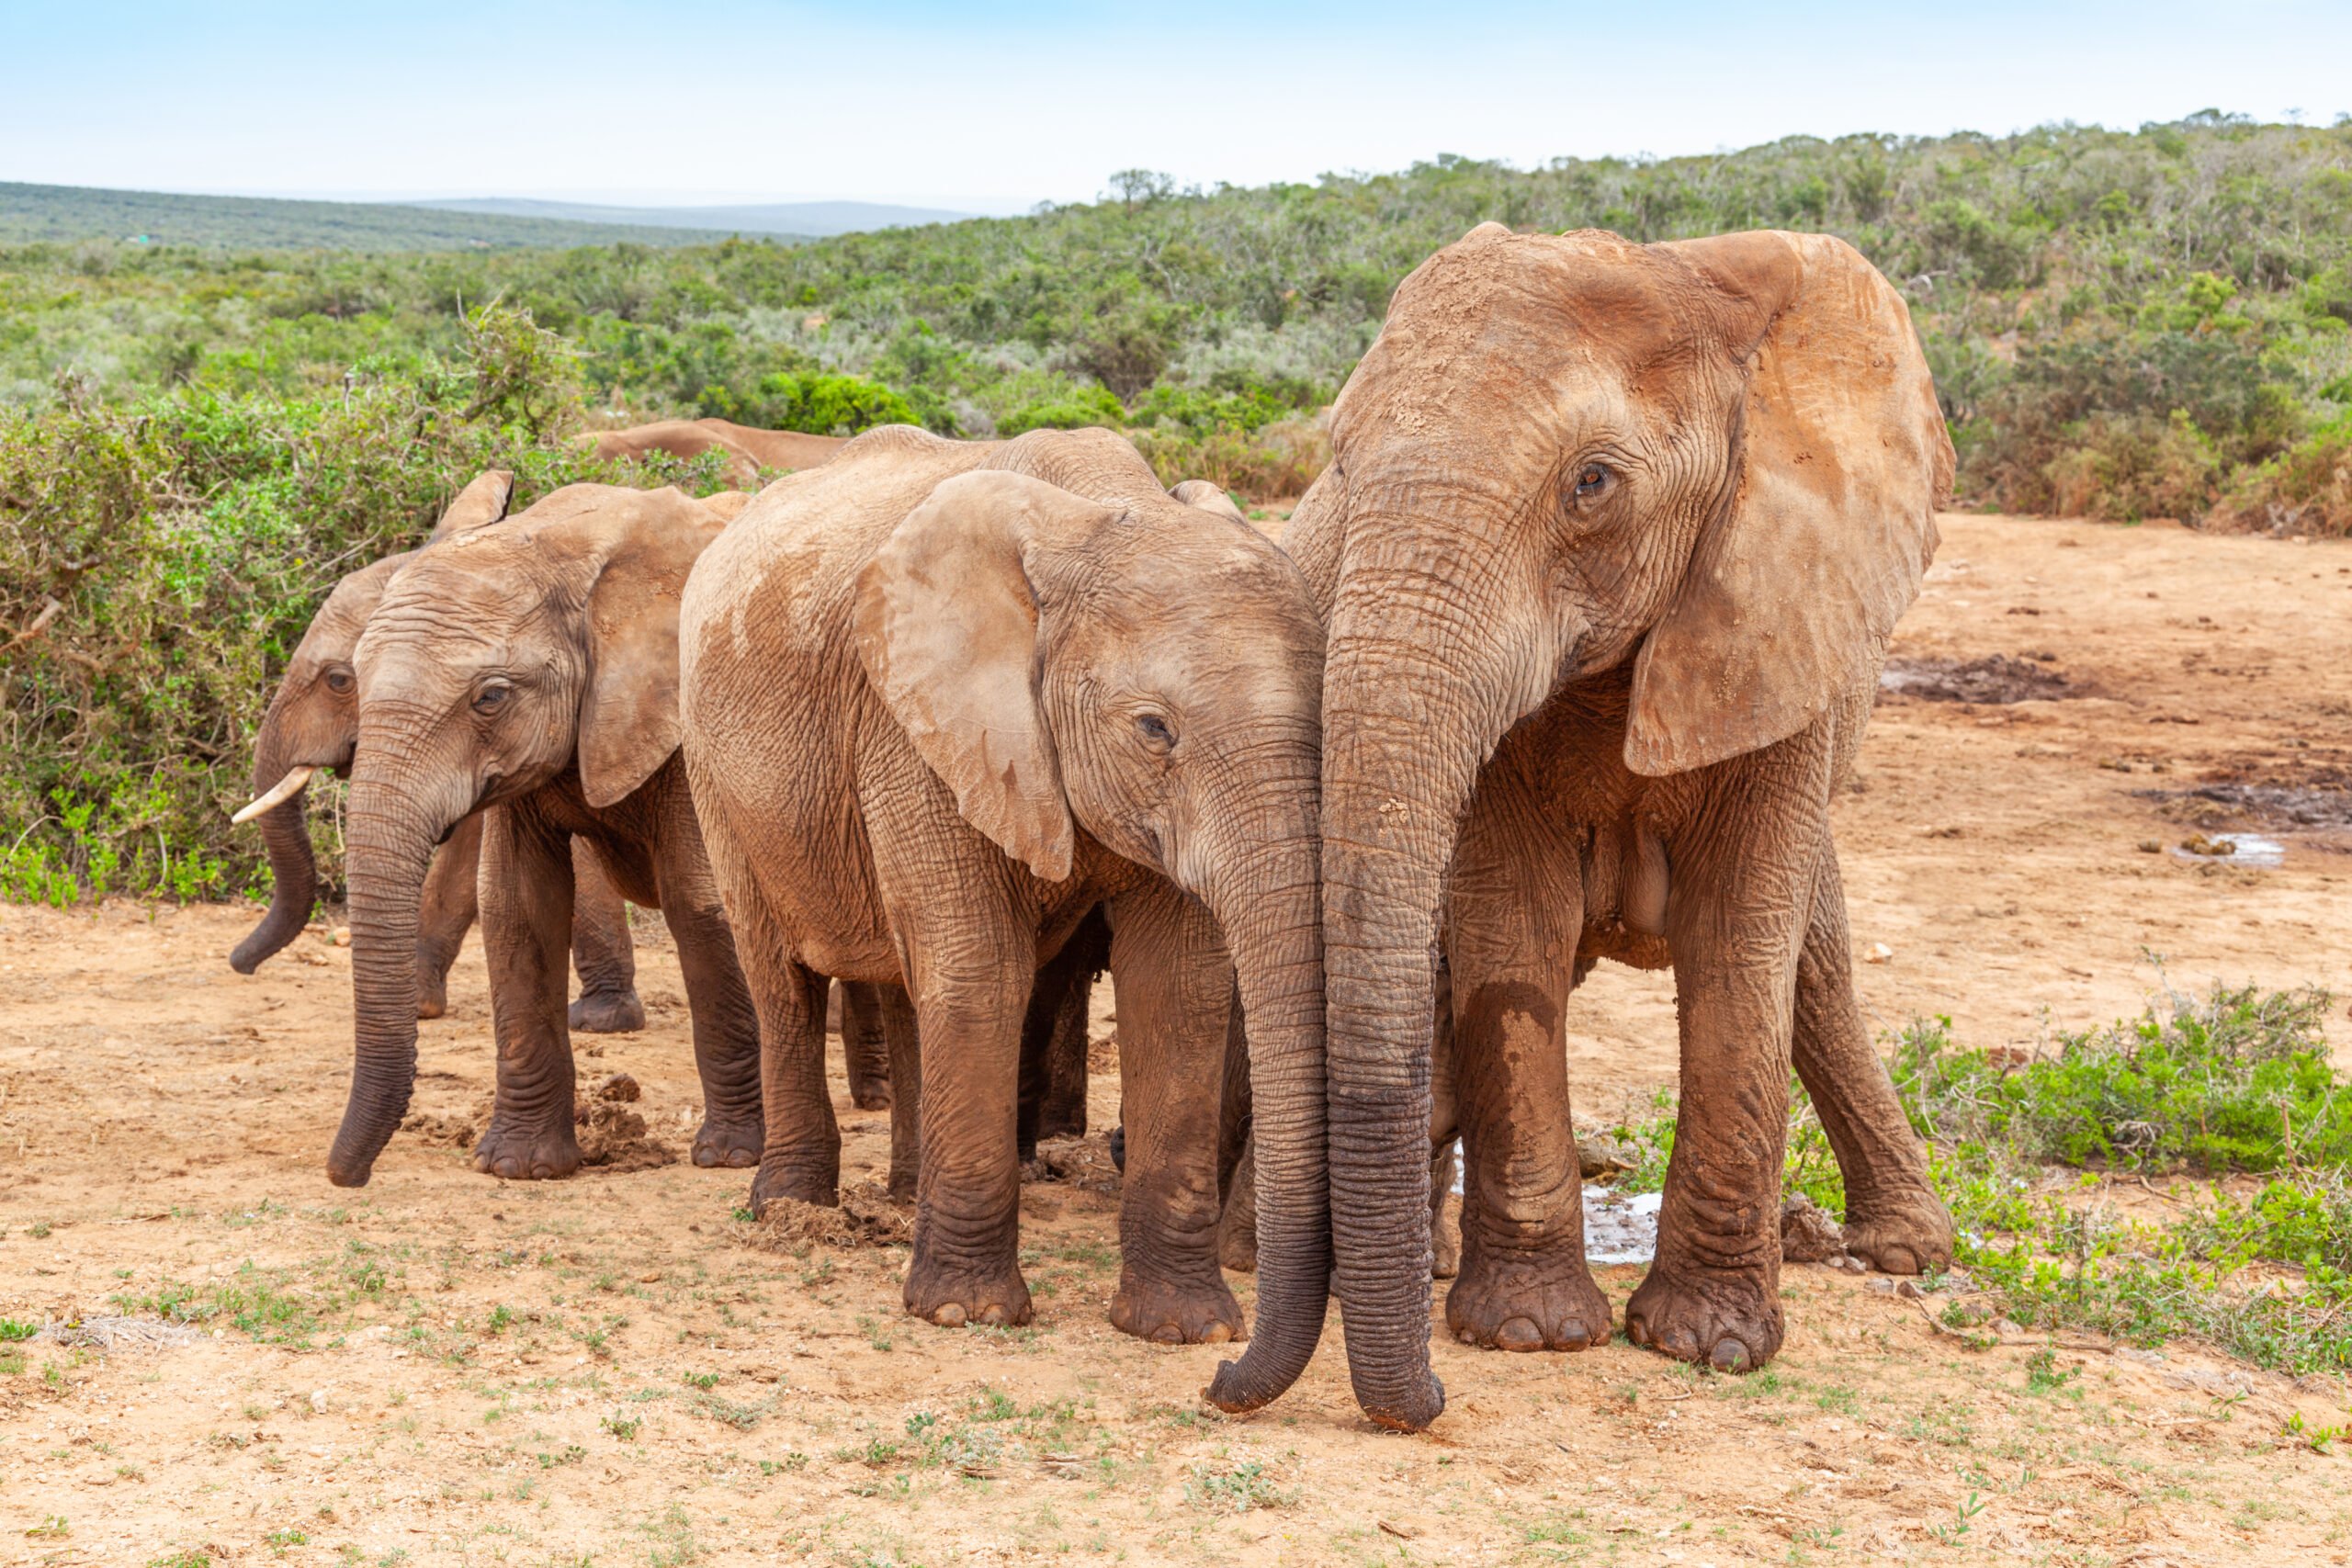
x,y
1681,1344
1897,1261
992,1316
1729,1355
1573,1336
1518,1334
949,1317
1467,1337
1216,1334
1167,1334
1636,1331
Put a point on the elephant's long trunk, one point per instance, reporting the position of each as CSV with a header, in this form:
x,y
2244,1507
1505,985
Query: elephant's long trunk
x,y
391,839
1273,923
1418,686
293,870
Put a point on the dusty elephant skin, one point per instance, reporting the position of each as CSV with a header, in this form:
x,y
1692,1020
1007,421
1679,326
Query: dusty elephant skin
x,y
312,724
943,699
527,671
1610,551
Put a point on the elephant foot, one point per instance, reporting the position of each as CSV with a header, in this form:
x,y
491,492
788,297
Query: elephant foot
x,y
1909,1234
952,1298
870,1097
432,996
1169,1314
607,1012
779,1182
513,1153
1515,1300
735,1145
1730,1321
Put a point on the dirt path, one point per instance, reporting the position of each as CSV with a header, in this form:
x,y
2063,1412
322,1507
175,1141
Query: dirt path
x,y
442,1368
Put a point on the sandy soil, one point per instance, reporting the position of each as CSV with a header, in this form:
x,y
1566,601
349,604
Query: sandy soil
x,y
443,1368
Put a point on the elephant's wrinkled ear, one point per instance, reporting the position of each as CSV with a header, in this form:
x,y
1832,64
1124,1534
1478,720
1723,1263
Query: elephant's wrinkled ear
x,y
483,502
729,503
1842,460
947,626
628,714
1207,497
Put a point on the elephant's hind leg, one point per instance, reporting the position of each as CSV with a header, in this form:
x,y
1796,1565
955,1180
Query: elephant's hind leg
x,y
526,931
1514,917
726,1024
1893,1219
1175,990
866,1052
601,950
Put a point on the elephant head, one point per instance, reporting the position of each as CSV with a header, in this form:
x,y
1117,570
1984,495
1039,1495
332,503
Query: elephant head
x,y
1718,459
313,722
1147,673
497,662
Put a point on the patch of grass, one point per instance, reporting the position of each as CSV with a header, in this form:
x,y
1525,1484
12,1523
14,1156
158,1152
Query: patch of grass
x,y
1238,1488
52,1528
624,1427
12,1329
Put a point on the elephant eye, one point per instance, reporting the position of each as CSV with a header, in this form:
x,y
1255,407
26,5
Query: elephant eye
x,y
1592,480
1155,732
492,697
339,681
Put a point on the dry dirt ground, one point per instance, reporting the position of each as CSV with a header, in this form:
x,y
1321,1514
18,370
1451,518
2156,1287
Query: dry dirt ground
x,y
441,1369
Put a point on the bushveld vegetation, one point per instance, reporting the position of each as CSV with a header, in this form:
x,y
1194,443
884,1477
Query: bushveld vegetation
x,y
194,442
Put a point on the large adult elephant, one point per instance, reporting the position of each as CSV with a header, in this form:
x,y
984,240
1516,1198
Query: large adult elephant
x,y
748,451
312,725
941,700
529,669
1609,552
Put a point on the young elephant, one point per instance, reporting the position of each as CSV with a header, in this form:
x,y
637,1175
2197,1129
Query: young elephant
x,y
528,671
941,699
312,724
1610,550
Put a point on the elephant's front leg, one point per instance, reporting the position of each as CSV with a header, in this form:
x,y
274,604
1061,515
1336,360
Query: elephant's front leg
x,y
1893,1219
726,1025
526,933
1739,900
1513,917
601,950
445,911
1174,982
968,960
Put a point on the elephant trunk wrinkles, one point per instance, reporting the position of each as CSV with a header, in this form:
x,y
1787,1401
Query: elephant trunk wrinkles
x,y
391,838
293,871
1416,694
1271,912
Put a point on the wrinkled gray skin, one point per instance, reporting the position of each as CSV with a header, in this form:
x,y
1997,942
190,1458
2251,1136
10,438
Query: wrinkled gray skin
x,y
314,722
941,700
1607,553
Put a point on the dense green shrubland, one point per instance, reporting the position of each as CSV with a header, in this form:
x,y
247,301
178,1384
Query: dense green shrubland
x,y
2123,324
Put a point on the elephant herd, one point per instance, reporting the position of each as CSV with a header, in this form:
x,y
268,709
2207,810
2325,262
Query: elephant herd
x,y
1561,658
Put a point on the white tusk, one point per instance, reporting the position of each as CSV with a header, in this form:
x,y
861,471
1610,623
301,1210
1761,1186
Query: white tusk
x,y
280,793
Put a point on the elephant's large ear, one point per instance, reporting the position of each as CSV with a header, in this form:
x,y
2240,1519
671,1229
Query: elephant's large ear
x,y
1842,458
628,714
483,502
947,626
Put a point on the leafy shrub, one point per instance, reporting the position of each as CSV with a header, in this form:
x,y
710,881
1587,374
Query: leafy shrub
x,y
820,403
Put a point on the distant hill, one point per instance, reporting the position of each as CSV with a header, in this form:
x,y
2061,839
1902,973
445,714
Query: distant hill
x,y
31,212
793,218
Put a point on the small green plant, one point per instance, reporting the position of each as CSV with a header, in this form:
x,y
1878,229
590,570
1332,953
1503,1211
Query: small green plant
x,y
53,1527
572,1453
2316,1439
279,1539
624,1427
502,1317
705,1381
1965,1511
189,1557
16,1329
1237,1489
2044,1375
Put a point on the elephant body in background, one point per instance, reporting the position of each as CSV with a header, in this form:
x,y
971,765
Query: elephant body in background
x,y
941,701
314,724
1608,554
527,671
749,451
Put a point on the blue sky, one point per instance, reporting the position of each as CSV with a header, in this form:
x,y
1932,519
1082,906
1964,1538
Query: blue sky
x,y
995,107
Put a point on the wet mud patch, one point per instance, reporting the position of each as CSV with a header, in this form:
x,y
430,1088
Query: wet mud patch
x,y
866,1217
2308,796
1996,679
